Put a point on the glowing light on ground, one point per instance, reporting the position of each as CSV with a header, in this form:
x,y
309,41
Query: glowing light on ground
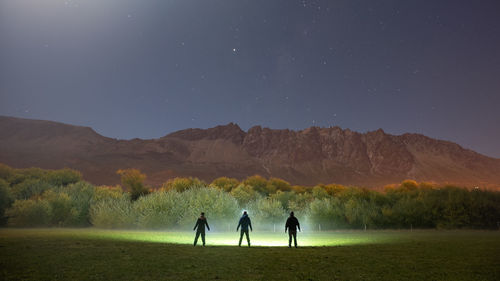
x,y
266,239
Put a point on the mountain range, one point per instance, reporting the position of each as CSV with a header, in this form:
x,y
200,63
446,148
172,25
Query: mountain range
x,y
307,157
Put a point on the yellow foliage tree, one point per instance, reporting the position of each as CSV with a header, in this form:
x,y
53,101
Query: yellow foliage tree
x,y
225,183
182,184
133,181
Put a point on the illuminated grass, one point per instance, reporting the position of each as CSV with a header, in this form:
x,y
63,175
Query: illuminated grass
x,y
274,239
92,254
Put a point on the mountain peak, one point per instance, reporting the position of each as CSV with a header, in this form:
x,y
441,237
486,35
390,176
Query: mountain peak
x,y
230,131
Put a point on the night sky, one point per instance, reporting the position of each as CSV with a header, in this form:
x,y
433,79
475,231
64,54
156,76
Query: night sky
x,y
144,68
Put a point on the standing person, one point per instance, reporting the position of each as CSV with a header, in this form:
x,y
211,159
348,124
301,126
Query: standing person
x,y
292,223
200,228
245,222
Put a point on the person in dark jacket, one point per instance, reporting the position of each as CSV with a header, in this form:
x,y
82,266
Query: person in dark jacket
x,y
245,222
200,228
292,223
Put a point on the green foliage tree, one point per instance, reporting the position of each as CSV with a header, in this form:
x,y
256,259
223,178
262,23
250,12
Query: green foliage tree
x,y
319,192
219,206
81,195
113,213
267,211
29,213
62,177
62,213
6,200
327,213
29,188
284,198
300,202
160,210
245,194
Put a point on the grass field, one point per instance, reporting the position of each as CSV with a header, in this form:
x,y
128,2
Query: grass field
x,y
90,254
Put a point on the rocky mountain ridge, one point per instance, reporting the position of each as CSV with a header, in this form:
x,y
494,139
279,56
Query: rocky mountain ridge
x,y
307,157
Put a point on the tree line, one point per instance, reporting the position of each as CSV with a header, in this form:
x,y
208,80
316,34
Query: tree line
x,y
40,198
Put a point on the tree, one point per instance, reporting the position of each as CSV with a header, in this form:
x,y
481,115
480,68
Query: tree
x,y
268,210
299,189
334,189
29,188
319,192
133,181
31,212
244,194
6,172
284,198
113,213
259,184
225,183
62,177
182,184
5,200
278,184
62,211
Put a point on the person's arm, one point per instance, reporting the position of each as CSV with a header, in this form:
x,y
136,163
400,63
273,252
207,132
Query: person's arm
x,y
286,224
239,223
250,224
196,224
208,227
298,225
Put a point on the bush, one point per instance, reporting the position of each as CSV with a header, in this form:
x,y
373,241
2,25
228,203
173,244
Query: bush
x,y
160,209
113,213
219,207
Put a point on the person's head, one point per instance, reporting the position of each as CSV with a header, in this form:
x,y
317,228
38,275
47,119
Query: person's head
x,y
291,214
244,212
202,214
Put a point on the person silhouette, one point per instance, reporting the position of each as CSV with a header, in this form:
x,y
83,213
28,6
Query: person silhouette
x,y
200,229
292,223
244,222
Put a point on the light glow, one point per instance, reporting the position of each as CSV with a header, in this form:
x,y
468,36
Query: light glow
x,y
266,239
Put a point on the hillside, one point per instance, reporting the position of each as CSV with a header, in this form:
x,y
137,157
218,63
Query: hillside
x,y
305,157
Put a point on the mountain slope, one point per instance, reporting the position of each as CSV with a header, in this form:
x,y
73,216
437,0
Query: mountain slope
x,y
306,157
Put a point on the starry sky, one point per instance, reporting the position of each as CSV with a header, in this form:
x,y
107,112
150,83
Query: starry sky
x,y
145,68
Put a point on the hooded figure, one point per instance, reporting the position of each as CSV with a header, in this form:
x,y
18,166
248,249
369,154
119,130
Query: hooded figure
x,y
292,223
200,228
245,222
